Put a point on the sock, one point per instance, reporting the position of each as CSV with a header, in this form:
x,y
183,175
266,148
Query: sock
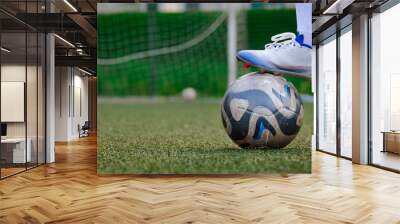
x,y
304,21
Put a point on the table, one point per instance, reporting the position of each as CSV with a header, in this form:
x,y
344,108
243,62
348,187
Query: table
x,y
391,141
16,153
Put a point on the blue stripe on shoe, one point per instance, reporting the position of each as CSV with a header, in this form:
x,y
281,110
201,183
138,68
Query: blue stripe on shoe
x,y
300,39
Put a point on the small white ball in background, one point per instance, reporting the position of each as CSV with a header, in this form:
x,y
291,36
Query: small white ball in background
x,y
189,94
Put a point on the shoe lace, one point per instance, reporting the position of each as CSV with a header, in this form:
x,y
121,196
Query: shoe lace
x,y
282,39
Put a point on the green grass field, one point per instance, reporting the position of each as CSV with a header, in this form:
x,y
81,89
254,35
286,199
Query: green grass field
x,y
173,137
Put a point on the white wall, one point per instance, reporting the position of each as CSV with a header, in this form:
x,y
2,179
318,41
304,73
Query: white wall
x,y
33,126
79,117
12,73
70,83
62,82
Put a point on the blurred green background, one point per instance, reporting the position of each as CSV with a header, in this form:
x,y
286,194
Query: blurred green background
x,y
203,66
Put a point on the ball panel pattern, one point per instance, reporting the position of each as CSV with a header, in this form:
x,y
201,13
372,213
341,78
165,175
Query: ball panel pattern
x,y
262,110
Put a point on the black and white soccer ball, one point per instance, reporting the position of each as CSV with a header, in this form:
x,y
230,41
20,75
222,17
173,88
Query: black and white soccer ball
x,y
262,111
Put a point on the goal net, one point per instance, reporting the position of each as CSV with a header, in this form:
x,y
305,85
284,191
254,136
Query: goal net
x,y
148,50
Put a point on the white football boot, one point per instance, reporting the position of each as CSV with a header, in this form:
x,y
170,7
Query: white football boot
x,y
286,54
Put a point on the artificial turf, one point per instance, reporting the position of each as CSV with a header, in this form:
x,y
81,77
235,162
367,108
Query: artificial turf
x,y
175,137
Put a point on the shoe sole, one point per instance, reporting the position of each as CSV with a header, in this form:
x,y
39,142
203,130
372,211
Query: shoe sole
x,y
275,71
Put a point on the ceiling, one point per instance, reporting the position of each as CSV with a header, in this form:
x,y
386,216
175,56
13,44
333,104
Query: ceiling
x,y
331,15
75,22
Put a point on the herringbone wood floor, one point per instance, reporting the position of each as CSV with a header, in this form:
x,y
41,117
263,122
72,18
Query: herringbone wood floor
x,y
69,191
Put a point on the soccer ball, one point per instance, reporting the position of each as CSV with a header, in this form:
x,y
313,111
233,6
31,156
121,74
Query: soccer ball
x,y
262,111
189,94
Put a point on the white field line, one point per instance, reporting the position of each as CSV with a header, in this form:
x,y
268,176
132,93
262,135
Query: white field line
x,y
165,50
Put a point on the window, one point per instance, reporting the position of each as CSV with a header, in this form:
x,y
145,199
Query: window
x,y
385,89
22,88
346,75
327,96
